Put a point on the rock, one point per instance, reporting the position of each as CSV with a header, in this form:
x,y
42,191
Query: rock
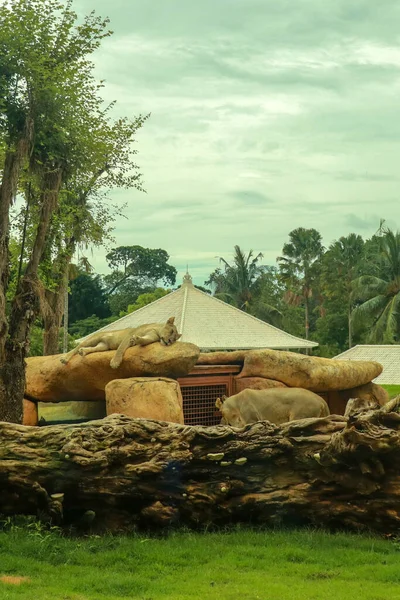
x,y
85,377
309,372
29,413
145,397
371,393
222,358
256,383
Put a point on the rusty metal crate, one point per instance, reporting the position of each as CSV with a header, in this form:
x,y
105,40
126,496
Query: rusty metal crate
x,y
201,388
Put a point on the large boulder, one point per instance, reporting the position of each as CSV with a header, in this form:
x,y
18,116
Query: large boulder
x,y
256,383
85,377
146,397
29,413
236,357
309,372
371,393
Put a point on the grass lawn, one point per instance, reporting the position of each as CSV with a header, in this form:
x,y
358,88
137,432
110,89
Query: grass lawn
x,y
393,390
238,565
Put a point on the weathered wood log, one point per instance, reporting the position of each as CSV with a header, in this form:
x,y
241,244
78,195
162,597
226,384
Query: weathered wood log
x,y
120,472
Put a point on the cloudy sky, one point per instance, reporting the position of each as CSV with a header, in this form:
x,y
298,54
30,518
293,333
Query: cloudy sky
x,y
265,116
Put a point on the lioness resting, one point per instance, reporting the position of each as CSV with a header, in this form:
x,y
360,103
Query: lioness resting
x,y
277,405
122,339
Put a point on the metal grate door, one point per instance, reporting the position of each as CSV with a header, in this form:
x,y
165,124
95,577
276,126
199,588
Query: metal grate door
x,y
199,403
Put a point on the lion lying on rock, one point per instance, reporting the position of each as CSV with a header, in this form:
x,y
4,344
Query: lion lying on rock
x,y
122,339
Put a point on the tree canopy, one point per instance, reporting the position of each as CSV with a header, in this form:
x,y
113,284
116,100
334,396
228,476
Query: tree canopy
x,y
59,150
337,296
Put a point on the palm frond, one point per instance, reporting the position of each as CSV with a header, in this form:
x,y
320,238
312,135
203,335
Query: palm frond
x,y
367,286
370,309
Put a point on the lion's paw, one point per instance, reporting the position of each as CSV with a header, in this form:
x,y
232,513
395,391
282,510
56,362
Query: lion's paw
x,y
114,364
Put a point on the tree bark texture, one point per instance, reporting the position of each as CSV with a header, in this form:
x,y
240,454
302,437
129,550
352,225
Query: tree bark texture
x,y
65,319
52,317
25,308
121,473
54,303
14,160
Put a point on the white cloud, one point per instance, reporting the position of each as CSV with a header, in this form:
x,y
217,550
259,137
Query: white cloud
x,y
311,128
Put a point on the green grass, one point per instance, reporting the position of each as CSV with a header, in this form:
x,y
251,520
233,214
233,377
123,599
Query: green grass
x,y
244,564
393,390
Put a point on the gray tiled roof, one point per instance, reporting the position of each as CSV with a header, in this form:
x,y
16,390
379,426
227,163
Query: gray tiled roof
x,y
210,323
388,356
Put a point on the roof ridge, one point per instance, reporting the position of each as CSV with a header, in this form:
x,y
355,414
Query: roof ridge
x,y
312,344
186,290
182,301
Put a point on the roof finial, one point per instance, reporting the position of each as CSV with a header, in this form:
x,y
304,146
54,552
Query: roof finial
x,y
187,279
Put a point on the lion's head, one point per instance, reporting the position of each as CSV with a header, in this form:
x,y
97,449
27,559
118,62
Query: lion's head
x,y
169,333
230,415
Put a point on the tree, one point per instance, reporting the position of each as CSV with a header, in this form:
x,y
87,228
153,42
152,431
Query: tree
x,y
267,302
146,267
145,299
247,285
84,218
125,294
378,295
339,267
48,94
298,267
85,327
88,297
235,283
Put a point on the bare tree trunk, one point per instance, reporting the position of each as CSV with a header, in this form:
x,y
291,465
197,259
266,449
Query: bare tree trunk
x,y
65,322
349,326
14,160
127,472
56,304
24,310
52,318
307,322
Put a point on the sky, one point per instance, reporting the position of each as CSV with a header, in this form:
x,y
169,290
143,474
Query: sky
x,y
265,116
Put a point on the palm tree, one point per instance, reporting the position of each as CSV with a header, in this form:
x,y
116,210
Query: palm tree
x,y
239,277
298,267
236,284
379,295
340,265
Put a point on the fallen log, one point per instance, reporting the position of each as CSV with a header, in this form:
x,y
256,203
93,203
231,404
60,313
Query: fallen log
x,y
123,473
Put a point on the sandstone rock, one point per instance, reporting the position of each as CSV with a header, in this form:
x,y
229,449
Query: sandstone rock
x,y
223,358
309,372
370,393
145,397
84,378
29,413
256,383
